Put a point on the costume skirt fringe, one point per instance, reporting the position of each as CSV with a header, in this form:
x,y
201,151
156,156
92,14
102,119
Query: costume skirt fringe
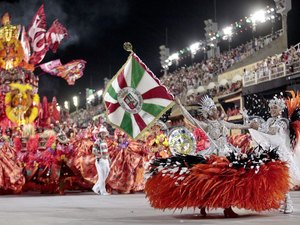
x,y
217,185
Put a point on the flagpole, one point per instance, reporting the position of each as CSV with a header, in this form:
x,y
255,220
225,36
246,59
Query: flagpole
x,y
128,47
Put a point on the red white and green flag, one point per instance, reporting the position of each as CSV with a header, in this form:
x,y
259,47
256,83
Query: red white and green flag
x,y
135,99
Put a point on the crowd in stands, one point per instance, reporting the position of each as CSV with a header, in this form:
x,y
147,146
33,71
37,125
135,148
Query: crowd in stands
x,y
83,117
274,66
202,73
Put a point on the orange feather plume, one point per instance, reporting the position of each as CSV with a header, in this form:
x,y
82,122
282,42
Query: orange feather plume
x,y
293,102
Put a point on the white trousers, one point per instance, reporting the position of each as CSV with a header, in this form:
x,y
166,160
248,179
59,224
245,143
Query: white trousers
x,y
102,166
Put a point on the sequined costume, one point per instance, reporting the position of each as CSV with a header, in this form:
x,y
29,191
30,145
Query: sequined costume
x,y
275,133
217,131
229,179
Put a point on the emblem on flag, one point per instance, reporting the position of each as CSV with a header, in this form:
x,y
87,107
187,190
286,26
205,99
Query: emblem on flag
x,y
135,99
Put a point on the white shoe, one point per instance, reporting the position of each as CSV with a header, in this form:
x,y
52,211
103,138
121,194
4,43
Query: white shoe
x,y
282,207
96,191
288,209
105,193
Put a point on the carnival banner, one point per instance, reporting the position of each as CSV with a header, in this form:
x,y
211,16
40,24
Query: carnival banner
x,y
135,99
42,40
50,67
54,36
37,33
70,71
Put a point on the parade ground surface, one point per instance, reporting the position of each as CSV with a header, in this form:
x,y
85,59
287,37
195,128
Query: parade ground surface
x,y
86,208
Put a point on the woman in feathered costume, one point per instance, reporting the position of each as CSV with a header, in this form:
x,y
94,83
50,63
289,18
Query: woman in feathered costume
x,y
275,132
256,181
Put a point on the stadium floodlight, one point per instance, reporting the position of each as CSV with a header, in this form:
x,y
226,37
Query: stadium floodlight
x,y
194,47
259,16
99,93
66,105
228,34
164,54
228,31
76,102
174,56
90,98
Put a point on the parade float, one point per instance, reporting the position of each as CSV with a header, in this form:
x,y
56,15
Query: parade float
x,y
21,53
34,150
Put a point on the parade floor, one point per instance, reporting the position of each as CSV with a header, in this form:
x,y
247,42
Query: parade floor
x,y
89,209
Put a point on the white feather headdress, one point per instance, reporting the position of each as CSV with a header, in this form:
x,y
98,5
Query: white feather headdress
x,y
206,105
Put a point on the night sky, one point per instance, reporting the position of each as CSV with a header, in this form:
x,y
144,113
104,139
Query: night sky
x,y
98,29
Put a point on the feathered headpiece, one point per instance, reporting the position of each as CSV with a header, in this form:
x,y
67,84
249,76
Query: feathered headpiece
x,y
206,105
278,102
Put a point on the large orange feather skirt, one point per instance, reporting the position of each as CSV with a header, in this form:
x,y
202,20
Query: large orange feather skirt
x,y
217,185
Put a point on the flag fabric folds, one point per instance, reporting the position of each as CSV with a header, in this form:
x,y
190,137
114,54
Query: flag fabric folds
x,y
50,67
54,36
135,99
70,71
37,33
42,40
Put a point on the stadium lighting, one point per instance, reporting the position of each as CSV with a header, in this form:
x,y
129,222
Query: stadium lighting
x,y
259,16
195,47
66,105
99,93
90,98
174,56
228,34
75,102
227,31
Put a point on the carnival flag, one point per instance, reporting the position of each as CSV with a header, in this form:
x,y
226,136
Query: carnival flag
x,y
50,67
37,33
135,99
56,33
70,71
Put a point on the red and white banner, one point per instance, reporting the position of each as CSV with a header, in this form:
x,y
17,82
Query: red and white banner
x,y
70,71
50,67
56,33
37,36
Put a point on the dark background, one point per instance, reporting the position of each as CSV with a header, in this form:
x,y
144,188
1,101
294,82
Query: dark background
x,y
98,29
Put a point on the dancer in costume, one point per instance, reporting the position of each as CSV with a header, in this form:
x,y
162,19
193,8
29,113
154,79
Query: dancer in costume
x,y
100,150
11,176
127,164
83,160
275,132
215,128
211,181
